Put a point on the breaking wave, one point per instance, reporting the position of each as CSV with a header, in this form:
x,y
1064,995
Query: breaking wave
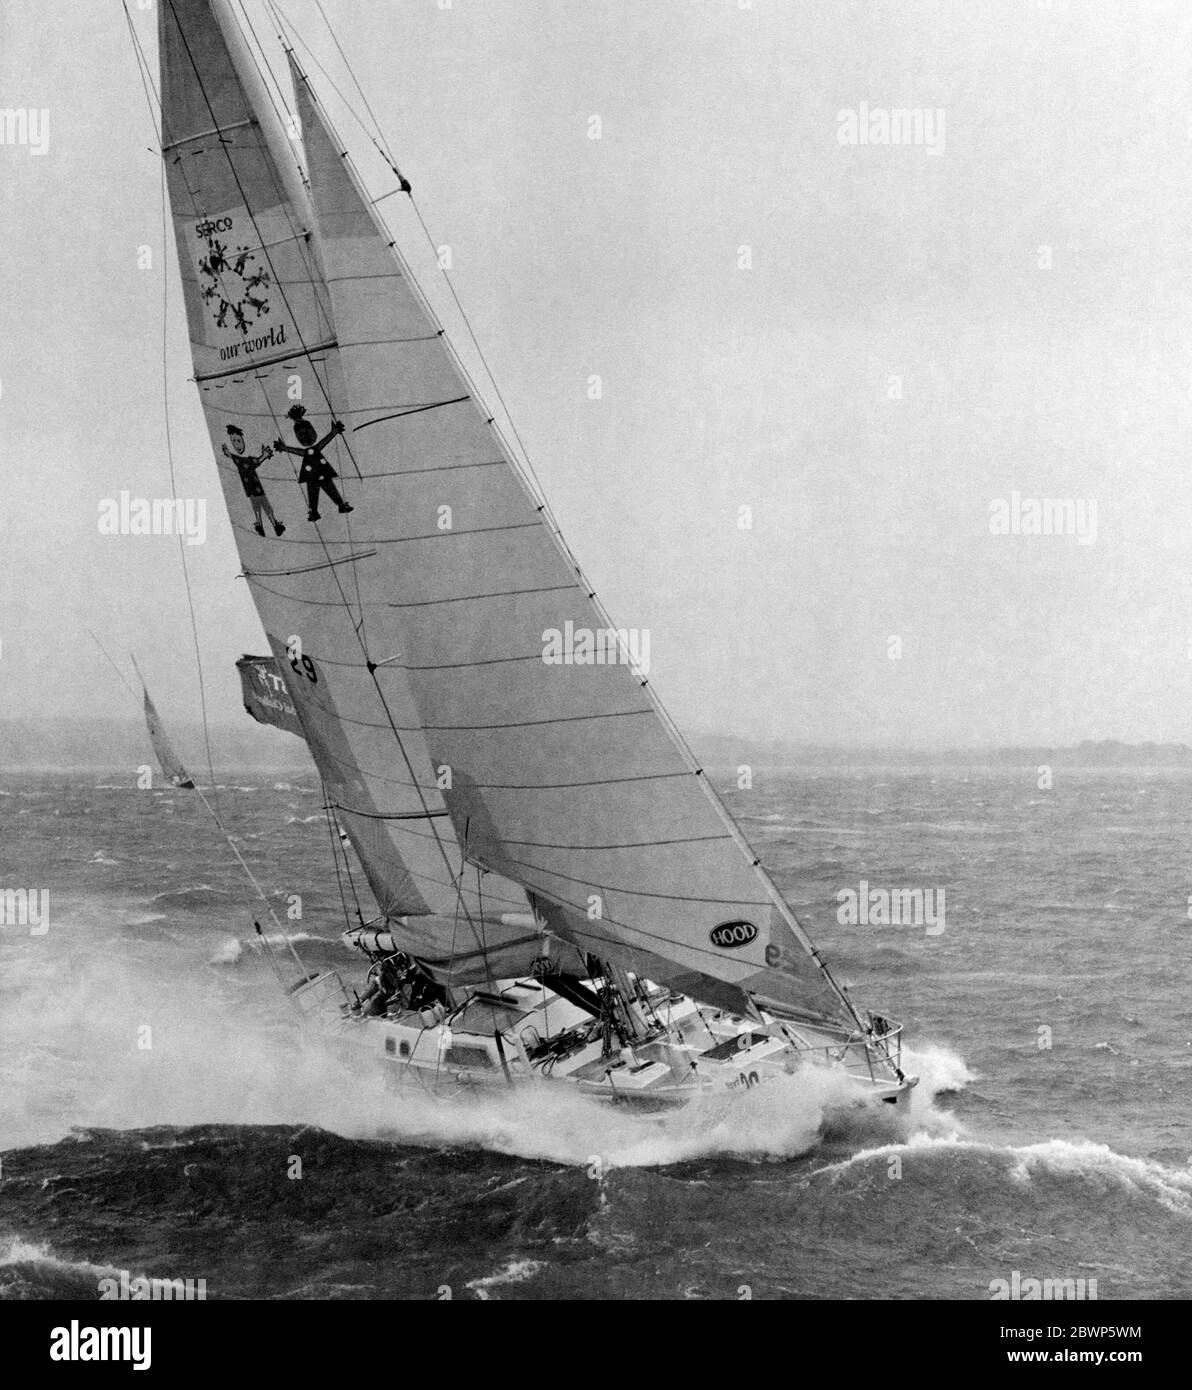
x,y
1063,1161
198,895
31,1270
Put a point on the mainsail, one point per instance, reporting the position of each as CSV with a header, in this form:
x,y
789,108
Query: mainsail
x,y
172,768
477,778
264,350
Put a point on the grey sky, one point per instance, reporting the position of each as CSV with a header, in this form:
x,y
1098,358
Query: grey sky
x,y
1067,126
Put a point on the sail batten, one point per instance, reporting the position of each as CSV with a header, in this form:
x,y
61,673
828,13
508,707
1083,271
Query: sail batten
x,y
260,362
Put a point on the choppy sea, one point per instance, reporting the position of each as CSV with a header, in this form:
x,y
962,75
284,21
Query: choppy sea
x,y
154,1101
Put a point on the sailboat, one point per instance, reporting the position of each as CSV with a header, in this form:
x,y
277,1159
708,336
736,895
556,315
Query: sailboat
x,y
561,896
172,767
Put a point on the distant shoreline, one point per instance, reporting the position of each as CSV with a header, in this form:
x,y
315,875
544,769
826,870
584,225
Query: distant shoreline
x,y
122,745
111,745
720,751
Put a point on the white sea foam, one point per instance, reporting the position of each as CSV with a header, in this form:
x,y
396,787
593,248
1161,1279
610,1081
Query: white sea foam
x,y
228,952
1171,1187
515,1272
1092,1163
939,1069
281,938
779,1120
169,893
16,1251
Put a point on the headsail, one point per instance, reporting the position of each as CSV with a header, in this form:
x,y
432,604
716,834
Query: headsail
x,y
267,366
564,777
172,768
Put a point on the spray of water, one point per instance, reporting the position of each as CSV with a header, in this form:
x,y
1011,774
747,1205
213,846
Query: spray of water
x,y
127,1043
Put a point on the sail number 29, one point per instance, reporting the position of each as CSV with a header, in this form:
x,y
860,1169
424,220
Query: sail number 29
x,y
301,665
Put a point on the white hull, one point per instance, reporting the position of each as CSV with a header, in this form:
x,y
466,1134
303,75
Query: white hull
x,y
523,1034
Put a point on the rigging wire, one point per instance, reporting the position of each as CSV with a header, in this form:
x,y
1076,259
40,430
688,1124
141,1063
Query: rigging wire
x,y
289,123
147,82
152,95
215,816
352,75
343,838
381,144
480,914
252,878
112,664
213,810
165,391
334,855
337,848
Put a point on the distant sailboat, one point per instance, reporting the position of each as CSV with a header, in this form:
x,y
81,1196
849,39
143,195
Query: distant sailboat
x,y
561,894
172,768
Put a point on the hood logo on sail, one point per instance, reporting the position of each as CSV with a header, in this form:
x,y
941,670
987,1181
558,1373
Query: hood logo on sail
x,y
729,935
231,283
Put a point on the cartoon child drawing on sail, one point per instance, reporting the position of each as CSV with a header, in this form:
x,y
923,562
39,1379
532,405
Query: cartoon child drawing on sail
x,y
316,472
246,466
